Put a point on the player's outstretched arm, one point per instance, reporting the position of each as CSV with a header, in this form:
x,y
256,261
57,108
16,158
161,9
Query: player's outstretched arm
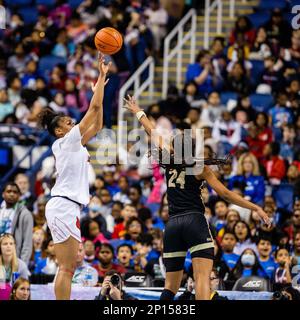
x,y
92,122
132,106
230,196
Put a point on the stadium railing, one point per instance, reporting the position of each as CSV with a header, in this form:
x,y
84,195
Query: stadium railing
x,y
140,84
182,39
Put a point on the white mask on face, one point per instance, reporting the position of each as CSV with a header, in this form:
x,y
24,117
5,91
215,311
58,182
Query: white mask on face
x,y
248,260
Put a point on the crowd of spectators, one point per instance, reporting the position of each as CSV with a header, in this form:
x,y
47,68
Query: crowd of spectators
x,y
122,227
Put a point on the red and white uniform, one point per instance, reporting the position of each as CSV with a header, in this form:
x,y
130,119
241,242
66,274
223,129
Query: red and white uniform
x,y
71,163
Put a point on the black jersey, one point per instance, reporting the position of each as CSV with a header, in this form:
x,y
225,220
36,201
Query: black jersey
x,y
183,192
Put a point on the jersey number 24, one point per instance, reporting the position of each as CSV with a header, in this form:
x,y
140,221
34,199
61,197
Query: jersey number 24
x,y
176,179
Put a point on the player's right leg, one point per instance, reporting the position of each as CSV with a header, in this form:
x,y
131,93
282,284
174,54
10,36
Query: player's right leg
x,y
174,253
66,254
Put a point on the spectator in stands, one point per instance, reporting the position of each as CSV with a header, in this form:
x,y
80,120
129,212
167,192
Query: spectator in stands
x,y
293,226
239,51
228,258
133,229
296,249
6,106
248,177
105,263
81,266
100,209
219,59
38,238
256,146
261,47
9,259
242,233
227,132
219,220
265,134
61,14
89,249
156,20
278,30
116,210
287,146
275,165
77,30
190,91
272,74
18,60
14,90
122,195
264,248
47,265
15,219
247,265
237,79
125,256
202,72
91,231
109,291
244,104
212,111
128,212
26,197
283,273
20,290
135,196
243,25
39,215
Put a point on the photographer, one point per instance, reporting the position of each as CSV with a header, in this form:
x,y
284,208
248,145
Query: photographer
x,y
287,293
112,288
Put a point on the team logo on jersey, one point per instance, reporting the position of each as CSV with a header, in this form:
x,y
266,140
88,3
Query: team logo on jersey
x,y
77,223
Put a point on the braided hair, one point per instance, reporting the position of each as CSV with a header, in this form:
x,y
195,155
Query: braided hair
x,y
49,120
166,159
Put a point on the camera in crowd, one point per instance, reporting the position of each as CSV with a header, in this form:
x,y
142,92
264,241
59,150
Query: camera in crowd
x,y
278,295
115,280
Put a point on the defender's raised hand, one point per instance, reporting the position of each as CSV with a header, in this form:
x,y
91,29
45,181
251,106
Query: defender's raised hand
x,y
131,104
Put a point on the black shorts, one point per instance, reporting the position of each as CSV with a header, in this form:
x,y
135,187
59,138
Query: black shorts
x,y
185,232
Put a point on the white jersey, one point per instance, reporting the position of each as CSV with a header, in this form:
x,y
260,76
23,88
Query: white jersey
x,y
71,163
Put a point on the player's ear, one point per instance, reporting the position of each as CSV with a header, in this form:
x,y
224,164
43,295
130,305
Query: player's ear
x,y
58,132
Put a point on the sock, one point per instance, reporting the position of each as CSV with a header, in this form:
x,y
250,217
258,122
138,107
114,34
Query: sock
x,y
167,295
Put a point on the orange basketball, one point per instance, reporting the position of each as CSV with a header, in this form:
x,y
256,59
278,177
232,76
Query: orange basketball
x,y
108,40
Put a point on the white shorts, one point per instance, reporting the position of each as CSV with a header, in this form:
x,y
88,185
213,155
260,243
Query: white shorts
x,y
63,219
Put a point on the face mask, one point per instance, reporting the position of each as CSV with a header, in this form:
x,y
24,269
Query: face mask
x,y
248,260
95,207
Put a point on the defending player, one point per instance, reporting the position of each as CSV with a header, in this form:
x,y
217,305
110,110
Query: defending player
x,y
187,228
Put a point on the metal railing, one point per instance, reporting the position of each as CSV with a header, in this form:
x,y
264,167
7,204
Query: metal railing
x,y
139,85
209,8
42,136
169,54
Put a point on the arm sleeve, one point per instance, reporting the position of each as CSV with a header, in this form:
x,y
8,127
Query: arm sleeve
x,y
27,237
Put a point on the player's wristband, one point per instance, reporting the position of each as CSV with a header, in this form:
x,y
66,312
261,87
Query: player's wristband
x,y
140,114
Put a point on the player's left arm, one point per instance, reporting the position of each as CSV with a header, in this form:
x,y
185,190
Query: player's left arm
x,y
92,122
132,106
230,196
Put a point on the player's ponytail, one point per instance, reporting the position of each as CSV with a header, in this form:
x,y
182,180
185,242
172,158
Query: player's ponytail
x,y
48,119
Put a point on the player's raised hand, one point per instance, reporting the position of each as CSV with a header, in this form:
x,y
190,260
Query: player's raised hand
x,y
131,104
265,218
103,68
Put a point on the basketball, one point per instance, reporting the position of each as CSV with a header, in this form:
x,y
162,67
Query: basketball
x,y
108,40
